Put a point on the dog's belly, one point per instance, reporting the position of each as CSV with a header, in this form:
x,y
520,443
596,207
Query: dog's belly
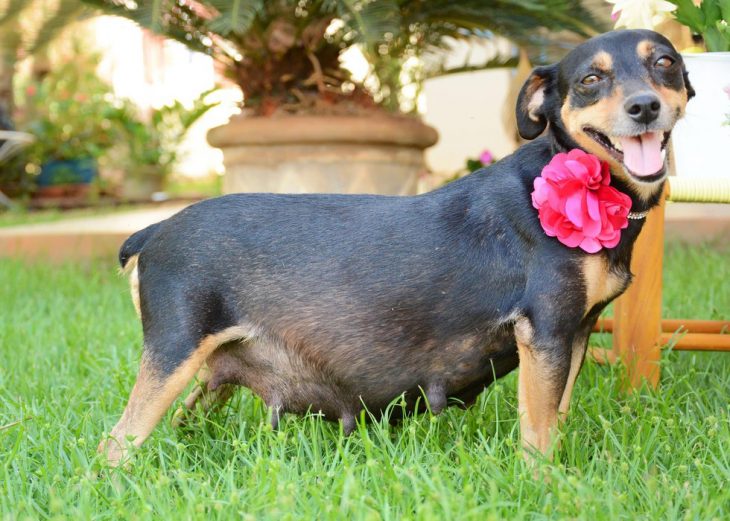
x,y
339,382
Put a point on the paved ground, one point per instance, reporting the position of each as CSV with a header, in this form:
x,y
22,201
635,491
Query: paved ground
x,y
84,237
118,222
80,238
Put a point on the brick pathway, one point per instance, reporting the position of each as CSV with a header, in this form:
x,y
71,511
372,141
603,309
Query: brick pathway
x,y
80,237
100,237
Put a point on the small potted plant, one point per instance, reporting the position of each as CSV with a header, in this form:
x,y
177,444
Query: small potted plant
x,y
702,137
67,113
151,141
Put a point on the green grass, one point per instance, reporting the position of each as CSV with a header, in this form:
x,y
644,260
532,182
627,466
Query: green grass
x,y
205,186
69,347
22,216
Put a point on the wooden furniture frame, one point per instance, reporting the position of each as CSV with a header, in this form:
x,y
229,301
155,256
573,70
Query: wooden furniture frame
x,y
639,332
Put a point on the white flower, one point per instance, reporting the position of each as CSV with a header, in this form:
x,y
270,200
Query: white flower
x,y
640,14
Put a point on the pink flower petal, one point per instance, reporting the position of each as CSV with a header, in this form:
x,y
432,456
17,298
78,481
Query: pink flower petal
x,y
576,204
572,240
574,208
592,227
592,206
590,245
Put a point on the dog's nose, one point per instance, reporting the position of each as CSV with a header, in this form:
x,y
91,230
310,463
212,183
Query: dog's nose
x,y
643,108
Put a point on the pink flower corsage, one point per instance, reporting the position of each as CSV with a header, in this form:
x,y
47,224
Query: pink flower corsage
x,y
576,204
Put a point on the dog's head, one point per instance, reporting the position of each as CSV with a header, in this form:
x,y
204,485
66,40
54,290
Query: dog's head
x,y
616,96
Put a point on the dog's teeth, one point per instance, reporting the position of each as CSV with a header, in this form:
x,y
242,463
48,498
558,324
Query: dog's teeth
x,y
664,154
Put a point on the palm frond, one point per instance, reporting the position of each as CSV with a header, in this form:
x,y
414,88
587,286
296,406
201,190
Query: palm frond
x,y
373,21
66,13
12,10
175,20
234,16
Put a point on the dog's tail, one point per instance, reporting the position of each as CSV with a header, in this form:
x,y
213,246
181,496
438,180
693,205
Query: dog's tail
x,y
133,246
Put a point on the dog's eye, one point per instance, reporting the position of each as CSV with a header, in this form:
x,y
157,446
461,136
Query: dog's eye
x,y
664,62
590,79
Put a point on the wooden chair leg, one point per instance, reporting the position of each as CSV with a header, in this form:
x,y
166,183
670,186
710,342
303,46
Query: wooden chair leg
x,y
638,312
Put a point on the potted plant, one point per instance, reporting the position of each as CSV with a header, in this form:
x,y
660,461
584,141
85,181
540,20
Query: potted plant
x,y
151,141
701,138
307,125
67,113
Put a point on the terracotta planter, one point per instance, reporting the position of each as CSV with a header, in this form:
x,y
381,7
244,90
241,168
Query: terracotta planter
x,y
66,190
323,154
66,179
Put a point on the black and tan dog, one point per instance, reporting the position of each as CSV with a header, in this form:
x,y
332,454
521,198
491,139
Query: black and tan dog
x,y
338,302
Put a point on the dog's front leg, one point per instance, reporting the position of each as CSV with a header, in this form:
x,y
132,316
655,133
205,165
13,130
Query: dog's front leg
x,y
577,357
545,364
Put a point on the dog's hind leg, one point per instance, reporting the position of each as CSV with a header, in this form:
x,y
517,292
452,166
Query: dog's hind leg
x,y
203,398
166,369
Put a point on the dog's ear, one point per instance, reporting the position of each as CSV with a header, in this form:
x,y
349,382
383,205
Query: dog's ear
x,y
687,85
531,113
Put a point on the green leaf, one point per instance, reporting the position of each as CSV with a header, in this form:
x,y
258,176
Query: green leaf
x,y
372,20
67,13
12,10
687,13
711,10
716,40
234,16
724,9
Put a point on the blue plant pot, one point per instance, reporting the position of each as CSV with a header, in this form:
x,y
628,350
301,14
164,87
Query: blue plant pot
x,y
68,171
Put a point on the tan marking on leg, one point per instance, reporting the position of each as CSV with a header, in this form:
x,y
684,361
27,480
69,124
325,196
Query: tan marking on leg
x,y
601,284
538,395
645,48
153,394
603,61
203,377
201,397
132,271
576,361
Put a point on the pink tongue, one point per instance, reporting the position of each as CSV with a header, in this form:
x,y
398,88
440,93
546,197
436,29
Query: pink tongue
x,y
643,154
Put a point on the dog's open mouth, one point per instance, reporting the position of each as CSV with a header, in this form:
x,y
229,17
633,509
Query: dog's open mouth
x,y
642,155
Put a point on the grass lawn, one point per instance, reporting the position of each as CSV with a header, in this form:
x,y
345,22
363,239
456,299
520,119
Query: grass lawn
x,y
69,347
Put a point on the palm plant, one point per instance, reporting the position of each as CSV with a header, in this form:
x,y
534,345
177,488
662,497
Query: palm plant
x,y
27,27
286,53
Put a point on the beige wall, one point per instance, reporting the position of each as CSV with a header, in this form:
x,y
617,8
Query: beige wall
x,y
467,109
